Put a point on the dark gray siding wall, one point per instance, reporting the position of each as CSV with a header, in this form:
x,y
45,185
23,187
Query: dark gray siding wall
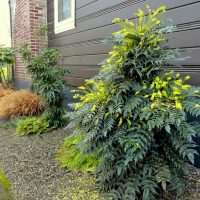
x,y
82,49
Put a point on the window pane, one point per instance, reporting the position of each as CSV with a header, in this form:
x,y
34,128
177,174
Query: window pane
x,y
64,10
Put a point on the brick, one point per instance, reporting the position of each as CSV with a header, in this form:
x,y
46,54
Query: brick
x,y
28,16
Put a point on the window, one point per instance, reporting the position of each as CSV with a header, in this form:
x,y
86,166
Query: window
x,y
64,15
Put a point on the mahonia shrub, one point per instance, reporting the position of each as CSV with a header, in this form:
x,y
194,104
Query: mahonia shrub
x,y
135,115
71,157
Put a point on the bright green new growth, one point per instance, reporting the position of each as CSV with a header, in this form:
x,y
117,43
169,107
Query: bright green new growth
x,y
135,114
5,193
71,157
4,182
32,125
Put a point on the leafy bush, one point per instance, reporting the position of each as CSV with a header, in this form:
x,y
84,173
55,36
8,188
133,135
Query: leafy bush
x,y
48,81
32,125
6,62
135,115
71,157
20,103
4,187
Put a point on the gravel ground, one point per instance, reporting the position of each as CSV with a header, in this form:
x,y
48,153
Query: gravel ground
x,y
29,163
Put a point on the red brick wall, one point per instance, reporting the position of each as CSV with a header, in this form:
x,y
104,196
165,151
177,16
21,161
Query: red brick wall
x,y
29,15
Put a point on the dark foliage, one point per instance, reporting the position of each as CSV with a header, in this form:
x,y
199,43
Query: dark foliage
x,y
135,115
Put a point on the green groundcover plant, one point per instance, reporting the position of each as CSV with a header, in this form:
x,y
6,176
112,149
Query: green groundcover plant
x,y
71,157
5,193
136,115
32,125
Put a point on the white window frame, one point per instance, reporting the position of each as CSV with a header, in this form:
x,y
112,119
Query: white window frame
x,y
67,24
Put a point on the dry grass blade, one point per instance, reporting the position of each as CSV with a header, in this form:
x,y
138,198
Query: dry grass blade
x,y
5,92
20,103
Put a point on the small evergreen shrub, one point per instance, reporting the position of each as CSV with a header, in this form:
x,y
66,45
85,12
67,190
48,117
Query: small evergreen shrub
x,y
48,82
135,114
21,103
32,125
71,157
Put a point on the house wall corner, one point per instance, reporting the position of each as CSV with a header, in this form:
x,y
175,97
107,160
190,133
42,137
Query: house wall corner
x,y
29,15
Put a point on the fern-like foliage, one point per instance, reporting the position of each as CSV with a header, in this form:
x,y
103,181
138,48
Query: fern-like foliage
x,y
71,157
135,114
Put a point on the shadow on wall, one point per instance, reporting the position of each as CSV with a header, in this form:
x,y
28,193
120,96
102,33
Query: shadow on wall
x,y
197,141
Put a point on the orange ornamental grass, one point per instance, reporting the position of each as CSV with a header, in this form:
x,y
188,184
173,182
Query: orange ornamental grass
x,y
4,92
20,103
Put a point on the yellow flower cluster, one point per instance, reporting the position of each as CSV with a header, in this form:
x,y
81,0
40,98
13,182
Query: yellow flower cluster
x,y
93,92
168,90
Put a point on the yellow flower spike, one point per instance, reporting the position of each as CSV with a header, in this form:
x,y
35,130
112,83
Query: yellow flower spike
x,y
120,60
152,86
144,87
196,91
152,105
187,78
108,60
169,78
164,84
93,108
185,87
158,22
76,96
77,106
159,94
160,9
140,15
178,105
146,96
177,75
106,115
117,115
197,105
129,122
120,121
176,93
148,7
137,93
164,93
73,90
82,88
153,96
116,20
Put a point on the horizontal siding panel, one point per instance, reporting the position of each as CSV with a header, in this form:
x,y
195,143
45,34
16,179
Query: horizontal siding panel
x,y
127,12
83,72
75,81
189,38
79,4
86,60
84,49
